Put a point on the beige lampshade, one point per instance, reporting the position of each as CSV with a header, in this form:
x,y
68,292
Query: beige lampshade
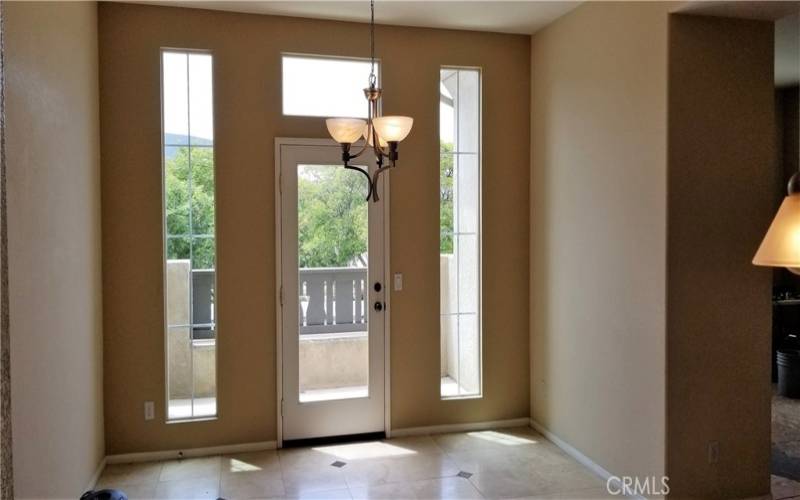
x,y
781,245
368,137
393,128
345,130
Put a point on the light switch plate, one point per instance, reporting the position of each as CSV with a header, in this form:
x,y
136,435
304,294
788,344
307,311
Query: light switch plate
x,y
398,282
149,410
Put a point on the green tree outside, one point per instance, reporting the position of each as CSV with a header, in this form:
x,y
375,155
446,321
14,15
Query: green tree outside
x,y
199,232
332,217
446,199
332,211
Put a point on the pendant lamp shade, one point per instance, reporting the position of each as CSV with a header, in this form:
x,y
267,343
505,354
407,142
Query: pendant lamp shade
x,y
393,128
345,130
781,245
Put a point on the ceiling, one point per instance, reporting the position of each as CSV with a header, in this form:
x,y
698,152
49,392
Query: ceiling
x,y
765,10
523,17
520,16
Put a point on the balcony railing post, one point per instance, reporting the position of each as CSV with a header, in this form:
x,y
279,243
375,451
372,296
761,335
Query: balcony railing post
x,y
335,300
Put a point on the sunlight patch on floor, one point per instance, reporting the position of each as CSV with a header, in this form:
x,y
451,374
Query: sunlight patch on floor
x,y
373,449
240,466
501,438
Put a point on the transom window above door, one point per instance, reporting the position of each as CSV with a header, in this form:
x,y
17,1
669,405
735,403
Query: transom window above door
x,y
325,86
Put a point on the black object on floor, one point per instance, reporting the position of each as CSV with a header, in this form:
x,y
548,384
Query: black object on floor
x,y
104,495
350,438
788,373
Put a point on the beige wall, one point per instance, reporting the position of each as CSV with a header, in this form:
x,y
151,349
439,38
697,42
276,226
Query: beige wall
x,y
54,246
247,52
598,233
721,200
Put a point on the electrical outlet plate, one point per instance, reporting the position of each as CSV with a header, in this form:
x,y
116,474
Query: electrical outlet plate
x,y
149,410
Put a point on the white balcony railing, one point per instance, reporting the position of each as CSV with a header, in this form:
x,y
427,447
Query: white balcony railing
x,y
332,300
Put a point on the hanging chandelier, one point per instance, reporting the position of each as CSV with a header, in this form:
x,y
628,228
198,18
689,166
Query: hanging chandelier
x,y
379,132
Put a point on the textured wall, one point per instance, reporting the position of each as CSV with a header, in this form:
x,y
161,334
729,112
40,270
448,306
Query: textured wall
x,y
598,232
247,51
54,246
6,464
721,201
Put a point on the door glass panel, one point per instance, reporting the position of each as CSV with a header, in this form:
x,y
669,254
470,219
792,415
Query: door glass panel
x,y
332,230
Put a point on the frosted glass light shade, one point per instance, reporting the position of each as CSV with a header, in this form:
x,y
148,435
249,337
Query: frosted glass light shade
x,y
368,137
345,130
393,128
781,245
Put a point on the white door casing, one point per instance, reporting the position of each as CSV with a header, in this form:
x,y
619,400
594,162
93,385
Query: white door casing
x,y
330,417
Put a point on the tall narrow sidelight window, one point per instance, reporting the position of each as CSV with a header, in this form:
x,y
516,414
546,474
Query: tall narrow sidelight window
x,y
189,234
460,231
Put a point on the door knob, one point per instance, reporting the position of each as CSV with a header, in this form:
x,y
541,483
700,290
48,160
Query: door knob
x,y
378,306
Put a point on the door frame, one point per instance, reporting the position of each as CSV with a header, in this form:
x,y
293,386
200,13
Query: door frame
x,y
386,199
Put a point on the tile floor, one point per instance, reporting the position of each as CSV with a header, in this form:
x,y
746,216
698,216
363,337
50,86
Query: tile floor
x,y
506,463
785,436
783,488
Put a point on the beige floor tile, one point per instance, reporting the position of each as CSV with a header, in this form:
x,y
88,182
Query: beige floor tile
x,y
542,453
590,494
371,450
304,478
445,488
394,491
501,439
564,479
415,444
116,475
303,457
487,461
144,491
512,482
246,485
259,461
507,463
340,494
530,457
184,489
421,466
367,472
190,468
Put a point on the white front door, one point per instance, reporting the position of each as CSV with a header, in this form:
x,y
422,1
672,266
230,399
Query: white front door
x,y
332,278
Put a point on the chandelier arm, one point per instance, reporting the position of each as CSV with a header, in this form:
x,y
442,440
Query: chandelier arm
x,y
360,151
379,152
366,174
374,185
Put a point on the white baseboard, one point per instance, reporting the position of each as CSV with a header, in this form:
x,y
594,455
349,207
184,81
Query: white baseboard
x,y
575,454
96,476
471,426
152,456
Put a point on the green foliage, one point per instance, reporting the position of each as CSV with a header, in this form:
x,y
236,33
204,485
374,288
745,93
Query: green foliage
x,y
446,198
332,211
196,232
332,216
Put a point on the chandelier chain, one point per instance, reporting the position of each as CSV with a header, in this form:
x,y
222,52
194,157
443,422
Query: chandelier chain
x,y
372,78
